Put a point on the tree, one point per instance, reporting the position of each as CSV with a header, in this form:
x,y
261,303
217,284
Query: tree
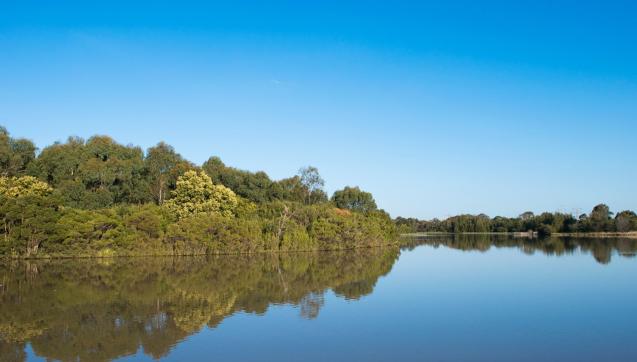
x,y
544,231
60,162
23,186
15,154
527,215
196,194
94,174
254,186
600,218
626,221
353,198
601,212
288,189
116,170
313,183
28,213
164,166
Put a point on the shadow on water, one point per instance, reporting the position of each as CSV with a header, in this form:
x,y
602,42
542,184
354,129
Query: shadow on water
x,y
602,249
99,310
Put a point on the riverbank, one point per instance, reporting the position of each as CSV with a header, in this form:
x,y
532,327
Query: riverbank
x,y
113,254
149,230
599,235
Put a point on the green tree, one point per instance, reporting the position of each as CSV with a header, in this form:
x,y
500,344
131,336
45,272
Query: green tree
x,y
16,155
313,183
527,215
93,174
600,218
60,162
626,221
289,189
28,214
256,187
601,212
352,198
164,166
195,194
115,169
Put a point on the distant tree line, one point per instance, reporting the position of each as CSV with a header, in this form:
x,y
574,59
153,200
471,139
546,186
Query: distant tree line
x,y
99,197
602,249
600,219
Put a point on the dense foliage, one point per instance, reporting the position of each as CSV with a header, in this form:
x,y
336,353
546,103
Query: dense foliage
x,y
600,219
353,198
98,197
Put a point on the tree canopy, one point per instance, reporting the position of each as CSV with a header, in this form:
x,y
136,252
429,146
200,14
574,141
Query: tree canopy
x,y
195,193
163,167
15,154
23,186
352,198
256,187
312,183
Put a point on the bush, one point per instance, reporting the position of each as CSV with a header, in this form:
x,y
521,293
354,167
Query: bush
x,y
213,234
543,231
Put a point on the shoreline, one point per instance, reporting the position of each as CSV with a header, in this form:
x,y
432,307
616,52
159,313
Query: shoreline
x,y
61,256
600,235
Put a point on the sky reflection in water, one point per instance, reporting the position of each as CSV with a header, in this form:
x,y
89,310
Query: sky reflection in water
x,y
444,298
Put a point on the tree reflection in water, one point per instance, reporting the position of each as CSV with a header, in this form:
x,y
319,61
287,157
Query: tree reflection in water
x,y
602,249
102,309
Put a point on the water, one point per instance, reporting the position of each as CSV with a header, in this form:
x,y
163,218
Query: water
x,y
442,298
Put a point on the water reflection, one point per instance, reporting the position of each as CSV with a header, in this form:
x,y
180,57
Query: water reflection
x,y
602,249
97,311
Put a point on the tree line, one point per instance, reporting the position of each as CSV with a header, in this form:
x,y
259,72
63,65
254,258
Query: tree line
x,y
600,219
99,197
602,249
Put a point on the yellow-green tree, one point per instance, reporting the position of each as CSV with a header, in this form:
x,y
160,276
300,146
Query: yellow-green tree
x,y
28,214
23,186
195,194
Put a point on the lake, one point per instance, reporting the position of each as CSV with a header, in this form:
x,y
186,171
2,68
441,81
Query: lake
x,y
439,298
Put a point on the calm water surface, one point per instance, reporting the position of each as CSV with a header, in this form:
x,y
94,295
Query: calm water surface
x,y
443,298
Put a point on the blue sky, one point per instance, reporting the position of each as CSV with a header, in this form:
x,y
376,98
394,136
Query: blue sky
x,y
437,109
